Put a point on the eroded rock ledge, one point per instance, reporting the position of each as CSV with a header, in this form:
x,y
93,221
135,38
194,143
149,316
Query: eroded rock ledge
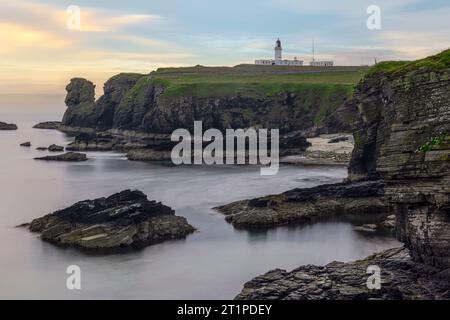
x,y
401,279
363,200
123,220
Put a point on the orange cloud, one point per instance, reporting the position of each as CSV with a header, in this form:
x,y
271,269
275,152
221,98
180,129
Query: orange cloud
x,y
17,37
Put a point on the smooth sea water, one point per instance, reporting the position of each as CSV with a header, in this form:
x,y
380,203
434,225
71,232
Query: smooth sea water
x,y
212,263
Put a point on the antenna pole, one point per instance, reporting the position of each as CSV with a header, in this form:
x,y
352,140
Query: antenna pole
x,y
313,50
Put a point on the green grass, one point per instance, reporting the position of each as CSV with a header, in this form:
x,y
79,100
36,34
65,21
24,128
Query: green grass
x,y
124,75
186,82
434,143
387,66
434,63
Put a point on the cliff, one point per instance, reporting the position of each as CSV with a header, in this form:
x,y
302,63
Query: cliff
x,y
405,140
402,138
289,99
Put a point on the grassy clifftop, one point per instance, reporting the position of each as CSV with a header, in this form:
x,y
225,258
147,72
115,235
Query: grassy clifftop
x,y
254,81
437,62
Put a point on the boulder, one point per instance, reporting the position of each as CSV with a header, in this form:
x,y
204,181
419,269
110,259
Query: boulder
x,y
26,144
55,148
123,220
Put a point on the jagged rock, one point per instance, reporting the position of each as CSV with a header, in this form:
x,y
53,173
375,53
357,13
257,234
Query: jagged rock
x,y
364,189
79,91
26,144
140,103
92,142
69,156
122,220
48,125
349,200
55,148
7,126
401,279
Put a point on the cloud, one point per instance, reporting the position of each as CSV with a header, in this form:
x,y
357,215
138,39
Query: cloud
x,y
38,52
342,7
93,20
16,37
55,17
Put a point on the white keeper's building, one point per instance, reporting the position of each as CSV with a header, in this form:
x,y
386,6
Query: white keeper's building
x,y
278,61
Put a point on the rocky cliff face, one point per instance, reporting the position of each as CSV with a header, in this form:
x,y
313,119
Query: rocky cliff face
x,y
142,103
404,138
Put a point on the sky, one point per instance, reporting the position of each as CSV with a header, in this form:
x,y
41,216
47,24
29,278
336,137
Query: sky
x,y
42,47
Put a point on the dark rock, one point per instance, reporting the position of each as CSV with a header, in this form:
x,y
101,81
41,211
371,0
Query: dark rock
x,y
401,279
69,156
338,190
55,148
92,142
48,125
125,219
7,126
363,200
338,139
404,138
79,91
293,143
41,148
26,144
149,155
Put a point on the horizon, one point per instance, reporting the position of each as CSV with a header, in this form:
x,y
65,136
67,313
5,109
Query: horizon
x,y
41,53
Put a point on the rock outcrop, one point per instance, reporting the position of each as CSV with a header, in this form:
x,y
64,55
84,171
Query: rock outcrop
x,y
357,201
141,103
402,139
55,148
401,279
7,126
67,157
48,125
123,220
148,106
405,140
26,144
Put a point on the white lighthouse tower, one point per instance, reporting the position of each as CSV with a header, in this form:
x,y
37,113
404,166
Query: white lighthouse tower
x,y
278,50
278,61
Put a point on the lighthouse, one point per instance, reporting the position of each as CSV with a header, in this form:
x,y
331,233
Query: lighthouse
x,y
278,49
278,61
